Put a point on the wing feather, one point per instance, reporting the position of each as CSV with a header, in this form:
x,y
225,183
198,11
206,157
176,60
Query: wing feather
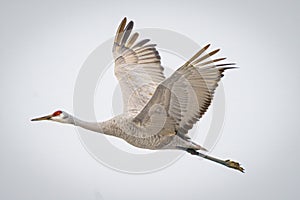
x,y
137,67
188,92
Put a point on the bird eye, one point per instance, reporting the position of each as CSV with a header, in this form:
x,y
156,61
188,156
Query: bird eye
x,y
56,113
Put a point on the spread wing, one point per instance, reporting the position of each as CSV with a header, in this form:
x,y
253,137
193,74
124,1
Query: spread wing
x,y
137,67
186,94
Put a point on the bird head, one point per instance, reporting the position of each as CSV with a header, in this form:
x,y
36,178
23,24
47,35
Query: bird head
x,y
58,116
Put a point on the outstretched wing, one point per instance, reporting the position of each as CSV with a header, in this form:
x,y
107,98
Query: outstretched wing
x,y
137,67
186,94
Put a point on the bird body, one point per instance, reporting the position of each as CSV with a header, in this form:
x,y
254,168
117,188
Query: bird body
x,y
158,111
122,126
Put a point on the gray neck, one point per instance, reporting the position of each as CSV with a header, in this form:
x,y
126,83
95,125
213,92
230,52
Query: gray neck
x,y
92,126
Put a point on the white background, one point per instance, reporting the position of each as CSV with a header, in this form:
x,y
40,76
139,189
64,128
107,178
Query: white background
x,y
43,45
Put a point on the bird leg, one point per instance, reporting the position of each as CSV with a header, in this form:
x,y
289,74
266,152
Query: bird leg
x,y
227,163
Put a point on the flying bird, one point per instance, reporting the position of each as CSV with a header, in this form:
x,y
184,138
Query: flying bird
x,y
158,112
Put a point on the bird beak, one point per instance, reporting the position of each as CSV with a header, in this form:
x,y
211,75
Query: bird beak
x,y
48,117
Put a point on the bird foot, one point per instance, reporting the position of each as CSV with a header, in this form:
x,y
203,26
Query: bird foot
x,y
234,165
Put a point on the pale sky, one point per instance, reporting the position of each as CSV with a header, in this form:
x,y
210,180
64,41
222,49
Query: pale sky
x,y
44,45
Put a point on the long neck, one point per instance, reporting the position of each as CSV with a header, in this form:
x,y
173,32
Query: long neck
x,y
92,126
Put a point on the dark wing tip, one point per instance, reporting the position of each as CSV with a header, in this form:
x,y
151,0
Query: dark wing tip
x,y
222,69
226,64
206,46
214,52
129,25
122,25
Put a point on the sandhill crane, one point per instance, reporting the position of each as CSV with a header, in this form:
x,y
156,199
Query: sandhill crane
x,y
158,111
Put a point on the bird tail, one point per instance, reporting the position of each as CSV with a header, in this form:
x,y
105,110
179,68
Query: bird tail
x,y
196,146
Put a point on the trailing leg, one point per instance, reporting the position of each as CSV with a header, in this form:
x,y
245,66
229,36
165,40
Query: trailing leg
x,y
227,163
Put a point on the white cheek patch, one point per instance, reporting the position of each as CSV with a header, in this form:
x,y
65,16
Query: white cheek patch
x,y
61,118
58,117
